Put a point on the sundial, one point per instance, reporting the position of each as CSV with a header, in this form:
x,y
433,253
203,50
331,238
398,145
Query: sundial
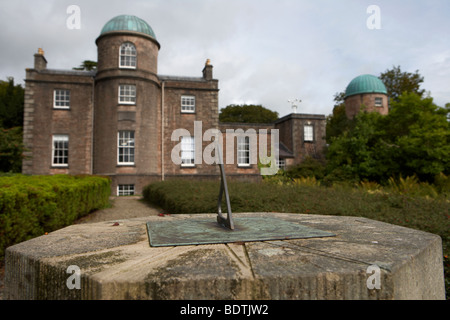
x,y
225,229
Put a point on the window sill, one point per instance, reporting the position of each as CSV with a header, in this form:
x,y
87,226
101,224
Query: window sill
x,y
61,108
187,166
244,166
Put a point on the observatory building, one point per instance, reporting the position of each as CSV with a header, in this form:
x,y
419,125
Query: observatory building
x,y
119,120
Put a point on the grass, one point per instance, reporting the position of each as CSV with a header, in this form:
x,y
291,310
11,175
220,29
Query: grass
x,y
392,204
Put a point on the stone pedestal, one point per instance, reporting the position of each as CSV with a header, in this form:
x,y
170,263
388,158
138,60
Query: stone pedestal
x,y
365,260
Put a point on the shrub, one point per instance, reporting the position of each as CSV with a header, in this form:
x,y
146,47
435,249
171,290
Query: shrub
x,y
412,186
301,196
442,184
369,186
306,181
309,167
33,205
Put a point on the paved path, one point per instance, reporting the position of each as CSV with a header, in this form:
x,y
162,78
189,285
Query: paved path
x,y
121,208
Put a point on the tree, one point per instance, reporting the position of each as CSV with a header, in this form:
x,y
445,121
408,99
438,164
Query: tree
x,y
413,139
87,65
398,82
11,150
447,109
337,122
247,114
420,134
352,153
339,98
11,104
11,122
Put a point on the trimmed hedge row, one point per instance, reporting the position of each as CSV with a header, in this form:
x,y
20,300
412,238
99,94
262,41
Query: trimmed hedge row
x,y
33,205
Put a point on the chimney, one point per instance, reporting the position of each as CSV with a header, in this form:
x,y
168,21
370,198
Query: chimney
x,y
208,70
40,63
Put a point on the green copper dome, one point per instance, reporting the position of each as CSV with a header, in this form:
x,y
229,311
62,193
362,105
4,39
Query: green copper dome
x,y
128,23
365,83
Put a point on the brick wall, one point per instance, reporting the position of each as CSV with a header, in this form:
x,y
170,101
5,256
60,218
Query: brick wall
x,y
206,112
353,104
292,135
42,121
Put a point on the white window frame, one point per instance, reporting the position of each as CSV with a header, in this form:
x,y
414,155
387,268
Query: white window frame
x,y
243,151
127,94
188,104
308,133
187,151
125,190
60,150
378,101
126,148
127,56
61,99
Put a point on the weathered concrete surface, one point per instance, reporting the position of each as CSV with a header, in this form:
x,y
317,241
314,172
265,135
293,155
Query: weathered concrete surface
x,y
117,262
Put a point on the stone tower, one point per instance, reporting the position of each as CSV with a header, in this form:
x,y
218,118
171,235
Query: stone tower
x,y
368,91
127,101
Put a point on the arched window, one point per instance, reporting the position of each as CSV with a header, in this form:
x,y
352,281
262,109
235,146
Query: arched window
x,y
127,55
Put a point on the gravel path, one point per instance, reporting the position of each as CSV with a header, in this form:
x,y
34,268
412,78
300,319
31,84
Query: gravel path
x,y
121,208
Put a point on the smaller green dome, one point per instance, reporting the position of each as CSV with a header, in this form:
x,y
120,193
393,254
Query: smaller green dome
x,y
365,83
128,23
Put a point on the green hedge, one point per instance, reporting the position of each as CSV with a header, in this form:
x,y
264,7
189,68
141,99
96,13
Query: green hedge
x,y
33,205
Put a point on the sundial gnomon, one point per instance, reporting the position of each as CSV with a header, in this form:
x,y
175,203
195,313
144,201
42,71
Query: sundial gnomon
x,y
182,232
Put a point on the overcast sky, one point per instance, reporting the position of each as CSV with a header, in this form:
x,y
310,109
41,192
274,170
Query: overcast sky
x,y
263,51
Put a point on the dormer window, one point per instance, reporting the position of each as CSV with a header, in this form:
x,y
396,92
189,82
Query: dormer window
x,y
127,56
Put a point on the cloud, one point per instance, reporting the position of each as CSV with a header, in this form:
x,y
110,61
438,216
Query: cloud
x,y
265,51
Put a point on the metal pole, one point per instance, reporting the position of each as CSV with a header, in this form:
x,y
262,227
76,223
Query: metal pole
x,y
228,221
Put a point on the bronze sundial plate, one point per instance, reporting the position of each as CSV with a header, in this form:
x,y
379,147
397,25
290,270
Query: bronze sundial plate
x,y
186,232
